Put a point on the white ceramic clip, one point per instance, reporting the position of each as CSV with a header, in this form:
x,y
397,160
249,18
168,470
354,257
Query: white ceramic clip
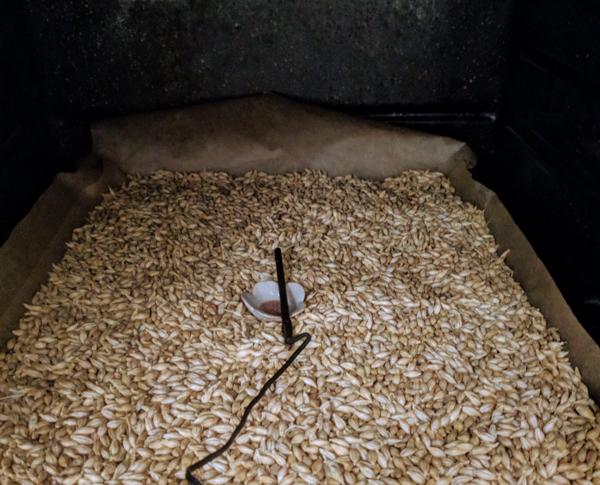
x,y
268,291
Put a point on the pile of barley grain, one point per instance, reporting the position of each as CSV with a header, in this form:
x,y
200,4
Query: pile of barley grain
x,y
427,363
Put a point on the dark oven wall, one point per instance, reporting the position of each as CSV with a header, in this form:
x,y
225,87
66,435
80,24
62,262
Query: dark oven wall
x,y
548,166
132,55
429,63
30,150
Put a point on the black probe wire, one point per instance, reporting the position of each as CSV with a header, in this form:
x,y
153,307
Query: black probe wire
x,y
290,340
215,454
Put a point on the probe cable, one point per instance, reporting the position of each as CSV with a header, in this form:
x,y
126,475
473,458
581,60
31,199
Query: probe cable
x,y
289,340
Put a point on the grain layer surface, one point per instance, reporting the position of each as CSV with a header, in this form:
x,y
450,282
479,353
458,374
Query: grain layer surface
x,y
427,363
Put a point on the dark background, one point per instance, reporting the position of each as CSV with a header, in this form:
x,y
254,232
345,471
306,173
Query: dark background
x,y
517,80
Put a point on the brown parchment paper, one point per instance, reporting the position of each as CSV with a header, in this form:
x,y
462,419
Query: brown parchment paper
x,y
272,134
